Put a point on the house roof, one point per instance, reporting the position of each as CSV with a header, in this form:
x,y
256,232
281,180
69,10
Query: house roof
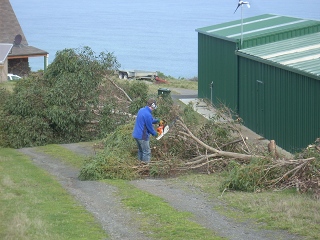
x,y
5,49
11,32
256,26
299,54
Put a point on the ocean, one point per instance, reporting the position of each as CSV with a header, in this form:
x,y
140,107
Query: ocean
x,y
142,34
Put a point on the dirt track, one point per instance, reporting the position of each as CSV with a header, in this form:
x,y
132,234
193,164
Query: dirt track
x,y
100,199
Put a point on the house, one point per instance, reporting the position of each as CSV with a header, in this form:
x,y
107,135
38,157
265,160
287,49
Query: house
x,y
5,49
232,71
11,33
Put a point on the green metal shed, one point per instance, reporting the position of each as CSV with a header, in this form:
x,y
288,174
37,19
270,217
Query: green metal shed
x,y
279,90
217,62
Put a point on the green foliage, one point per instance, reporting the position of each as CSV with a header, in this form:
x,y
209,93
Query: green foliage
x,y
27,99
108,165
109,121
190,116
20,132
59,103
264,173
73,80
165,108
213,132
116,161
138,91
4,93
248,177
120,139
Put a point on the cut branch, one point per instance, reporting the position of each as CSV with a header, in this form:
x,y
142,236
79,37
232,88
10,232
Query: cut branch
x,y
189,134
114,84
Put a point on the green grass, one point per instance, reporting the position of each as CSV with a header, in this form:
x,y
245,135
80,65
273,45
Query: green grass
x,y
32,199
173,83
33,205
68,157
157,218
287,210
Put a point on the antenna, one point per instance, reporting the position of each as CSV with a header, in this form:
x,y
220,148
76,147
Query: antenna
x,y
17,39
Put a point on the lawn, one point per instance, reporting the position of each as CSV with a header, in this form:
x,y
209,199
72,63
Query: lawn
x,y
33,205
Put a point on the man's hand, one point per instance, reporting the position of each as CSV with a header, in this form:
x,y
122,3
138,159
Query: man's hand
x,y
162,122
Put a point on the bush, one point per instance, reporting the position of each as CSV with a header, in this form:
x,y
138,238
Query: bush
x,y
249,177
19,132
117,159
109,165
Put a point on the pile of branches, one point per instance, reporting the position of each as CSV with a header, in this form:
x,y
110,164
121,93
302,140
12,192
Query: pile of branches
x,y
218,144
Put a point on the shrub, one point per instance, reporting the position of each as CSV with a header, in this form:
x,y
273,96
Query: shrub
x,y
249,177
117,159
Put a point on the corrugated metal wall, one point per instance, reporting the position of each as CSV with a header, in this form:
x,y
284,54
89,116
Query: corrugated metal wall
x,y
279,104
217,61
218,64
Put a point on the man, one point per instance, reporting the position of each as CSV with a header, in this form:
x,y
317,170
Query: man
x,y
143,128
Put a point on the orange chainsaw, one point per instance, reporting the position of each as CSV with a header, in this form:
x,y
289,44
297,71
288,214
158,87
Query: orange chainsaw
x,y
162,129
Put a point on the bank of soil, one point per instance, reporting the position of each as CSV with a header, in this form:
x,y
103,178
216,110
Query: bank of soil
x,y
102,201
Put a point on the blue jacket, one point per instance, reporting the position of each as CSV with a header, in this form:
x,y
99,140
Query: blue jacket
x,y
143,126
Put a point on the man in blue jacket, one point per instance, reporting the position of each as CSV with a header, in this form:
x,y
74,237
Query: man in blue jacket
x,y
143,128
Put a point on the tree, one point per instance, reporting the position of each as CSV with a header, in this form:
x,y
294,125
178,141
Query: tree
x,y
60,105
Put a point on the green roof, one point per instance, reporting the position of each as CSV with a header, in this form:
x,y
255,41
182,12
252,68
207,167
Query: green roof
x,y
256,26
300,54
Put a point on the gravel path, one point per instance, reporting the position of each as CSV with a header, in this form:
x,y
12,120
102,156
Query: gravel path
x,y
100,199
203,210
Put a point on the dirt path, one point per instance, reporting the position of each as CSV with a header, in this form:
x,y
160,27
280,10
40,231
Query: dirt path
x,y
100,199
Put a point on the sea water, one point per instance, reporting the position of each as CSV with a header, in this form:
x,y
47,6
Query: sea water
x,y
148,35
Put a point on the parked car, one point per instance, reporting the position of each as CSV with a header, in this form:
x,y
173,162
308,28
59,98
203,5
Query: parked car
x,y
13,77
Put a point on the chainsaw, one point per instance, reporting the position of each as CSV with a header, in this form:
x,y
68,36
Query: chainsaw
x,y
162,129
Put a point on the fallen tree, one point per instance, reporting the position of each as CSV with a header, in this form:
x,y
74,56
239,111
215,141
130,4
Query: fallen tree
x,y
216,145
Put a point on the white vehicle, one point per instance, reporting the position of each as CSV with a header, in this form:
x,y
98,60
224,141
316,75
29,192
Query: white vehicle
x,y
13,77
137,74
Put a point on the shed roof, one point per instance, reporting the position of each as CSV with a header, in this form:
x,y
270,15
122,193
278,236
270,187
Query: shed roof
x,y
300,54
10,28
256,26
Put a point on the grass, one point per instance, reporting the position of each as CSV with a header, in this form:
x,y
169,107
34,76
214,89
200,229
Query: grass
x,y
35,202
173,83
69,157
157,218
285,210
33,205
